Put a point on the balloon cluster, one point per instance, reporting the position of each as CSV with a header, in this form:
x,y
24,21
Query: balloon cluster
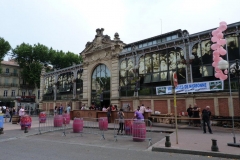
x,y
217,46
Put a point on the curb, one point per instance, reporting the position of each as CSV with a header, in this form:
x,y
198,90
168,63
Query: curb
x,y
201,153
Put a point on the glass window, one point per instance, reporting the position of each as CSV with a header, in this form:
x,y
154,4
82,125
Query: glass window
x,y
145,44
129,48
23,93
13,93
233,47
7,70
150,43
154,42
15,71
169,38
155,77
206,71
163,76
6,81
147,78
140,46
5,93
163,39
174,36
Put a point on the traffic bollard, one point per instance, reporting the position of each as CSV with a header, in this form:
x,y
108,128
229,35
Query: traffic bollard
x,y
214,145
167,143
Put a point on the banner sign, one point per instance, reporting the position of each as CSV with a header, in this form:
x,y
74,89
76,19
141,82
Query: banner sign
x,y
192,87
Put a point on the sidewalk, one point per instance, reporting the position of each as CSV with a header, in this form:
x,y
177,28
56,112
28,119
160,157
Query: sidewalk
x,y
191,140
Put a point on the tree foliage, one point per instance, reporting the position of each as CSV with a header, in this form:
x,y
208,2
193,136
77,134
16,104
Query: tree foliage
x,y
4,48
32,59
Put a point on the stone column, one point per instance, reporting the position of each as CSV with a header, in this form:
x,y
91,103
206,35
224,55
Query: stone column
x,y
42,85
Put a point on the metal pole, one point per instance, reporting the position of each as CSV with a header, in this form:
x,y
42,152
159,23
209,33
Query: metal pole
x,y
175,109
231,99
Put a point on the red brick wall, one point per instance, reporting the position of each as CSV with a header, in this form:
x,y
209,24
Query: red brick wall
x,y
223,106
147,103
181,106
161,106
44,106
236,107
202,103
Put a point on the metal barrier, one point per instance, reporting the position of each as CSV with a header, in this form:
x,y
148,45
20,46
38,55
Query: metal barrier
x,y
95,126
54,123
58,122
138,130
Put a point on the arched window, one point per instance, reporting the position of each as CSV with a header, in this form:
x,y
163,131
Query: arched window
x,y
101,85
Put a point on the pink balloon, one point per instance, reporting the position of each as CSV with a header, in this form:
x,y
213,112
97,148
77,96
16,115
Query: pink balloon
x,y
225,71
215,46
214,39
221,42
214,64
223,77
222,51
217,75
223,22
216,58
216,53
217,69
220,35
223,27
215,32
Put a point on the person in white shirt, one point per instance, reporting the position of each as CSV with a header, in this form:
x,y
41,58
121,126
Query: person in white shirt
x,y
68,109
104,109
142,109
148,109
21,113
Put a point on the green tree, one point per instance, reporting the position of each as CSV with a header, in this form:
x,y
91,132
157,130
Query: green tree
x,y
60,60
4,48
31,59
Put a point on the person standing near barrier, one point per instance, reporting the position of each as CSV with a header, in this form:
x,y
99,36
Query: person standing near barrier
x,y
190,113
138,115
121,120
206,114
11,114
109,110
68,109
55,110
196,111
7,114
21,113
142,109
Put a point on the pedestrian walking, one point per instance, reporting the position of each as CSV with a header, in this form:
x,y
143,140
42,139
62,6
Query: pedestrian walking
x,y
121,120
206,114
21,113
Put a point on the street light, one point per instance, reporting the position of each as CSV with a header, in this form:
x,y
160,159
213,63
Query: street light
x,y
235,70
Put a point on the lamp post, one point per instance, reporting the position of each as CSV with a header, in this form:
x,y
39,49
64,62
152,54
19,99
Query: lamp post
x,y
235,70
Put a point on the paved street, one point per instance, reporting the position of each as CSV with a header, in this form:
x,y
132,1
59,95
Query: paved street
x,y
15,144
39,148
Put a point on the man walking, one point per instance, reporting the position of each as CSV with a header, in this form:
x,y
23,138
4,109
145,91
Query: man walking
x,y
206,114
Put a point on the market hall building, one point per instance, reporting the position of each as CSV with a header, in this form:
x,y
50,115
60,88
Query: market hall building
x,y
138,73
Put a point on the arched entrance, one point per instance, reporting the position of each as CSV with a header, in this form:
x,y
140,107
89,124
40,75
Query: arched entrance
x,y
100,92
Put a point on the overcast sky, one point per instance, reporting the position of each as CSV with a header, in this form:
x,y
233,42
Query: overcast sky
x,y
69,24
